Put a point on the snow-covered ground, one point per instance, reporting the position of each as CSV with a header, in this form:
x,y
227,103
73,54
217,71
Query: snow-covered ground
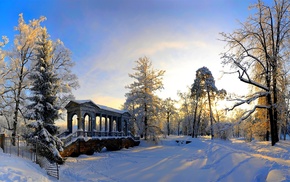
x,y
18,169
201,160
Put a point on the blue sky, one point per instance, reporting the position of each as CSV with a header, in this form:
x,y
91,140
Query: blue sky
x,y
106,37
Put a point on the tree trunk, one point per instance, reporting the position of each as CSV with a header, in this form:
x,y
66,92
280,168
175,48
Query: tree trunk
x,y
17,102
198,124
145,122
210,112
285,129
168,126
274,135
273,122
178,128
194,121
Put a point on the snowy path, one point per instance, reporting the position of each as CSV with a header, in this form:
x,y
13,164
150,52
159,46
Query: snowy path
x,y
201,160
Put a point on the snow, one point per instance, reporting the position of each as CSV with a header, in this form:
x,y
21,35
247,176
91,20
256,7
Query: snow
x,y
201,160
100,106
18,169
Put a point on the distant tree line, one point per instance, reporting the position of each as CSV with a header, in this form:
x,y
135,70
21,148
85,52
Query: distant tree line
x,y
258,52
152,116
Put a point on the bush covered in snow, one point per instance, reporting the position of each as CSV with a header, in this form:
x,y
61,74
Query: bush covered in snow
x,y
223,130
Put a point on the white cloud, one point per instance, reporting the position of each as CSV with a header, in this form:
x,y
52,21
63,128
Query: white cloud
x,y
179,54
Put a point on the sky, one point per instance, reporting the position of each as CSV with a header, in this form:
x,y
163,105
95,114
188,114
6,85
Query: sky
x,y
106,37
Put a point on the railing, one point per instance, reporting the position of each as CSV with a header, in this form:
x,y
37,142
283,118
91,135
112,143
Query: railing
x,y
103,133
134,137
67,138
28,150
64,134
52,169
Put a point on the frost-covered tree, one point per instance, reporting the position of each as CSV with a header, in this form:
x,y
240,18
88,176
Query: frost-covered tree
x,y
2,81
220,112
204,85
223,130
283,100
185,112
62,66
17,70
197,94
19,63
2,44
44,87
264,40
169,110
142,92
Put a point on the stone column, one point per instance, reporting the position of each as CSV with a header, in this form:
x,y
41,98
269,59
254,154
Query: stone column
x,y
93,129
69,122
93,123
122,125
119,124
100,122
80,127
106,123
126,127
110,123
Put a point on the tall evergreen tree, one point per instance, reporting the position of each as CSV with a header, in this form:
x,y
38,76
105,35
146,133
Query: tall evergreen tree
x,y
204,85
44,85
43,100
147,104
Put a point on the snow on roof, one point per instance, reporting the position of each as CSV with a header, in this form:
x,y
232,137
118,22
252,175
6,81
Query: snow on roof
x,y
101,106
82,101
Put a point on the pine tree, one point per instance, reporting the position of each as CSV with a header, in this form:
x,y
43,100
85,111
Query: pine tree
x,y
204,85
42,108
147,104
44,85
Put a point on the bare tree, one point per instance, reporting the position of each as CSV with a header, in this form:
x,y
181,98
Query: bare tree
x,y
263,39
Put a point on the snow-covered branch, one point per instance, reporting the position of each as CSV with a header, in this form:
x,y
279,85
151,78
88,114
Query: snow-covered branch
x,y
249,112
249,100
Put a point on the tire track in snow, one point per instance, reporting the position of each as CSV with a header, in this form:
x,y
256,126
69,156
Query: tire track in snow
x,y
250,153
223,176
214,159
210,151
257,155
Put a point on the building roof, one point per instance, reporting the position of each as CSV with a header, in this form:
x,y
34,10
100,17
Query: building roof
x,y
99,106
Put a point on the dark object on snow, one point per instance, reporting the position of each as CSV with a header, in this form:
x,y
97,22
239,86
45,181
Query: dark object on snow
x,y
183,141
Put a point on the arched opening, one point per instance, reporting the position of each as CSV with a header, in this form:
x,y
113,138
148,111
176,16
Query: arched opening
x,y
114,125
103,120
87,122
98,123
74,123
